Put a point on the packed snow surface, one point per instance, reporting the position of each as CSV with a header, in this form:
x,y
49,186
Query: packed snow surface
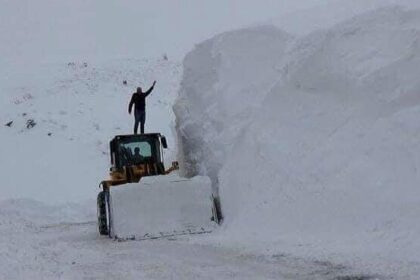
x,y
313,143
44,242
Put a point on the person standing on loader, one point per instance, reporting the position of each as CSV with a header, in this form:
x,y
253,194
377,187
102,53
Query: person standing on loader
x,y
139,101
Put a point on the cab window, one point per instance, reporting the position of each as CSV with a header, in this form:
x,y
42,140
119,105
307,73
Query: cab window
x,y
135,152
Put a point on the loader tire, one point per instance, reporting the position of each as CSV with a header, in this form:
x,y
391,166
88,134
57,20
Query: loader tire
x,y
216,210
102,214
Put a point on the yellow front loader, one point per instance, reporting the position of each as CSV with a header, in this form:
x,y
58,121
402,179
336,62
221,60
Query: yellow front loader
x,y
120,205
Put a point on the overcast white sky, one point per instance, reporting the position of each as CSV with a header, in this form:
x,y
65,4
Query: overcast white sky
x,y
45,30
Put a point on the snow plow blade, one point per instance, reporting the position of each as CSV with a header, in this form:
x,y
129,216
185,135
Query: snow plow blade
x,y
161,206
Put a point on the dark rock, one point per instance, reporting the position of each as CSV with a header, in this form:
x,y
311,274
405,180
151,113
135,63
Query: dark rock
x,y
30,123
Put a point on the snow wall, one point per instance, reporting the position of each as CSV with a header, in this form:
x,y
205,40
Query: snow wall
x,y
225,81
311,137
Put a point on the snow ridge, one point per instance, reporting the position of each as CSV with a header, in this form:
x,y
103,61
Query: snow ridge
x,y
333,134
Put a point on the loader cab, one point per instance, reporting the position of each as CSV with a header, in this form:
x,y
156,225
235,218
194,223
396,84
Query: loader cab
x,y
137,149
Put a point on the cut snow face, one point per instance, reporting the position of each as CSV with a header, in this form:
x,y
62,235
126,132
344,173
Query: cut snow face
x,y
225,80
313,139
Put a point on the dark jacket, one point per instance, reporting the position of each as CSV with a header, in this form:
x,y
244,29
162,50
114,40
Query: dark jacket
x,y
139,100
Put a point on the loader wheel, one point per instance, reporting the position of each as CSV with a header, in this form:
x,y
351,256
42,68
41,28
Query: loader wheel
x,y
216,210
102,214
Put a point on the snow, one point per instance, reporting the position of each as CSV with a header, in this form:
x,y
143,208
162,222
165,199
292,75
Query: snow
x,y
307,129
48,249
322,156
169,205
83,106
211,71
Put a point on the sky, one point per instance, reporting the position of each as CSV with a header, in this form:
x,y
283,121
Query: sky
x,y
58,30
44,31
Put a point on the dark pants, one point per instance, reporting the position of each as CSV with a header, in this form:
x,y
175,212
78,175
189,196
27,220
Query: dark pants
x,y
139,117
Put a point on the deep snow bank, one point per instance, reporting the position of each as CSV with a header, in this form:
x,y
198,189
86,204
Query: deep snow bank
x,y
224,81
316,142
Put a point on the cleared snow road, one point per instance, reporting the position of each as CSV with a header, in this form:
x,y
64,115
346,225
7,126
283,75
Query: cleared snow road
x,y
75,251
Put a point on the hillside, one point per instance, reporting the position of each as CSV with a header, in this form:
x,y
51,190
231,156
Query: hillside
x,y
77,108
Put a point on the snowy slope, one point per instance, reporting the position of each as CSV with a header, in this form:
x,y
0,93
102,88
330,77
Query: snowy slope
x,y
82,106
325,161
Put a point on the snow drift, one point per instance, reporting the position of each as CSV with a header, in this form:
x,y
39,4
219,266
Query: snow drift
x,y
224,81
313,139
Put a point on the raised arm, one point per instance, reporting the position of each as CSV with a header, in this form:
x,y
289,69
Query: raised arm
x,y
130,106
150,89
